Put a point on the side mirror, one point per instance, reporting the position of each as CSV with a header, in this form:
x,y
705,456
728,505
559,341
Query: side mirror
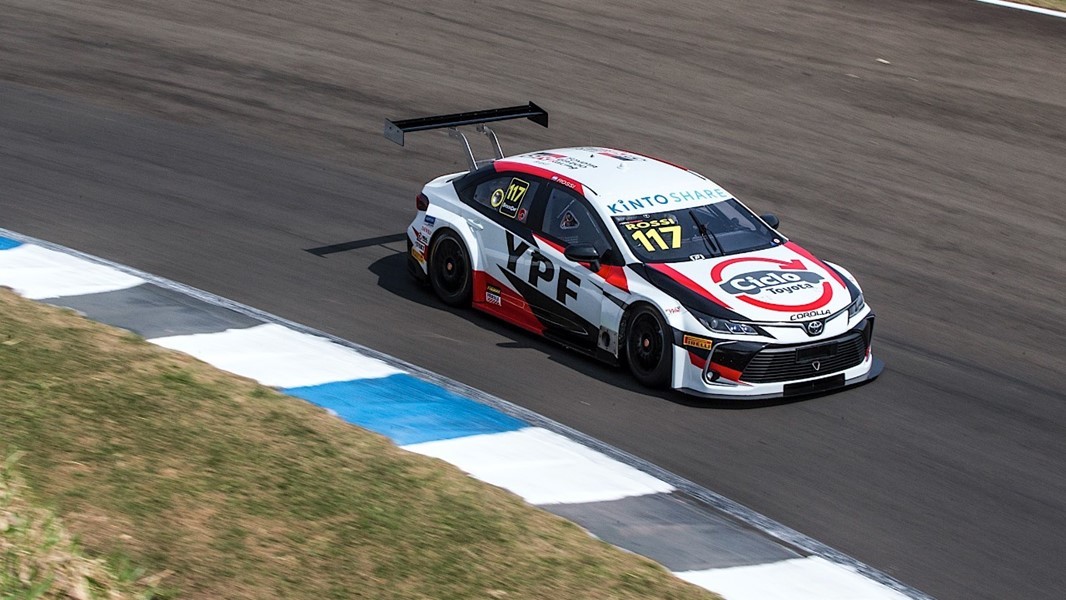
x,y
583,253
771,220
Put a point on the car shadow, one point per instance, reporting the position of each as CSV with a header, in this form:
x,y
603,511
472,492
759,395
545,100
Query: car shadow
x,y
392,275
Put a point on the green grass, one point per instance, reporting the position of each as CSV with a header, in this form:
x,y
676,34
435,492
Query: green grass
x,y
39,559
235,491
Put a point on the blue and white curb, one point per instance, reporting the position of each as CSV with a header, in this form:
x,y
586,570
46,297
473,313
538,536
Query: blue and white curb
x,y
545,463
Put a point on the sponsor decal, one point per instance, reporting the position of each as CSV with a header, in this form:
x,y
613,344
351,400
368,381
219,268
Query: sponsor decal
x,y
697,342
417,255
561,160
497,198
673,310
566,182
421,239
654,234
809,314
619,155
623,206
430,220
542,269
522,214
569,221
771,282
507,201
789,281
493,295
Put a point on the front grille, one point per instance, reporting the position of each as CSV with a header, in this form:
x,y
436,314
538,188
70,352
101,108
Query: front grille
x,y
787,364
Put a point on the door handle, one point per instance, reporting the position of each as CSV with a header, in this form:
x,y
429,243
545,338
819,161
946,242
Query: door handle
x,y
475,224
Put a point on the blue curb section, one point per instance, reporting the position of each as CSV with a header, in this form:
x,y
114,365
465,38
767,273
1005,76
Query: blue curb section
x,y
406,409
8,243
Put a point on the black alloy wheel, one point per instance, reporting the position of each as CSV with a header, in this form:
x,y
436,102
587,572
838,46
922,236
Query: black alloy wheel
x,y
449,270
648,349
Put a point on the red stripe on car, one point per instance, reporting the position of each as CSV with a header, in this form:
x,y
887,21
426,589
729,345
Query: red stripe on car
x,y
512,308
510,165
803,252
612,274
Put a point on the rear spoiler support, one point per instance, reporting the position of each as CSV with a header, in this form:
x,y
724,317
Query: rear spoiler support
x,y
395,130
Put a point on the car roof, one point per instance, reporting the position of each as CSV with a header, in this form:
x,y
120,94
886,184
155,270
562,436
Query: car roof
x,y
619,182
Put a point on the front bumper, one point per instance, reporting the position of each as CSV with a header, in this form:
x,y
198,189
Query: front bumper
x,y
752,371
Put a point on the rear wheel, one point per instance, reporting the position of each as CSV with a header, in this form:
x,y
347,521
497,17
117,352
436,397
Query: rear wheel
x,y
449,270
648,348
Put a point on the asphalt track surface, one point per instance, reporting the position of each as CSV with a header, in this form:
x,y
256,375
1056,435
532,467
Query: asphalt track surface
x,y
215,142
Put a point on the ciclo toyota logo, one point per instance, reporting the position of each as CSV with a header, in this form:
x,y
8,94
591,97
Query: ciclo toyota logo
x,y
762,288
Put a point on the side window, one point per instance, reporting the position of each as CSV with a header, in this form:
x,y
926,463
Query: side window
x,y
508,196
569,221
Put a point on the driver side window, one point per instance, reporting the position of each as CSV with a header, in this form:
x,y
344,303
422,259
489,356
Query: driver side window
x,y
567,220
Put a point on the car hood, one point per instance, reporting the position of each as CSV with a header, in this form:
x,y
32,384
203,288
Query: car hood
x,y
784,283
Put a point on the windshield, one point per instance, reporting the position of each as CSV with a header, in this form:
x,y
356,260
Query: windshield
x,y
706,231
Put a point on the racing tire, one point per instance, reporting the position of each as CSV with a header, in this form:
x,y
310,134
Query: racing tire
x,y
649,347
450,274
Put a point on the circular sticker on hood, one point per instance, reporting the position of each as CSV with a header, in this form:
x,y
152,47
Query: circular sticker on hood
x,y
779,285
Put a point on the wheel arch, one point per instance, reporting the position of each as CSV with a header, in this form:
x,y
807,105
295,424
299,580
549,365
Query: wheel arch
x,y
464,234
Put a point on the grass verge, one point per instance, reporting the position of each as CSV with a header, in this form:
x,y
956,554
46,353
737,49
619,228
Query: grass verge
x,y
1052,4
39,560
240,492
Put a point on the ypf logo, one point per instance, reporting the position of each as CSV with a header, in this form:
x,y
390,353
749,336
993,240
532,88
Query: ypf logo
x,y
788,287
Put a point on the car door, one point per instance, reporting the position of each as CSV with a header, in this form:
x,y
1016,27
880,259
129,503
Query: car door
x,y
570,294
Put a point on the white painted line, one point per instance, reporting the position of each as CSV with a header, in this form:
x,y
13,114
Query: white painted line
x,y
811,578
39,273
278,356
1026,7
543,467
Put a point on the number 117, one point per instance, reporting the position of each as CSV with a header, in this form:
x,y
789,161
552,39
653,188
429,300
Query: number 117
x,y
646,239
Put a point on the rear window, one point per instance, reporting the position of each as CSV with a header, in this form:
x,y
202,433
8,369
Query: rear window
x,y
508,195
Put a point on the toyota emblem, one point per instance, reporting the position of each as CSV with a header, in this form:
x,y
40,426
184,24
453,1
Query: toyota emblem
x,y
816,365
814,327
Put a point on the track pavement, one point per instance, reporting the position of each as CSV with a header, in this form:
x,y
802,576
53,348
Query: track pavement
x,y
937,178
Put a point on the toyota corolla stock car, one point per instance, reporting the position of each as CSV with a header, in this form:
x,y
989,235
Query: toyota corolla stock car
x,y
638,262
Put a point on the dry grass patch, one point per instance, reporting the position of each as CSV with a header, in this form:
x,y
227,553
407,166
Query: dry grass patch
x,y
39,560
244,493
1052,4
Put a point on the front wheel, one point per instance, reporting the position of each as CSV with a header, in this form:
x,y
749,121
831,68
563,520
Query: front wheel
x,y
449,270
648,348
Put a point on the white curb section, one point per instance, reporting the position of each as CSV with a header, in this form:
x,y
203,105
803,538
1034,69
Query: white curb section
x,y
38,273
278,356
543,467
811,578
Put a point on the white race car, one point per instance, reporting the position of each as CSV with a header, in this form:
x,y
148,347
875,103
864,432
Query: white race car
x,y
639,262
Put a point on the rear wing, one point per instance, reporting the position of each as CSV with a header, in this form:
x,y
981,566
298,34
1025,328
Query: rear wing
x,y
395,130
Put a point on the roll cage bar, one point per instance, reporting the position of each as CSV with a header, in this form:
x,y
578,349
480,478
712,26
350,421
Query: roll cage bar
x,y
395,130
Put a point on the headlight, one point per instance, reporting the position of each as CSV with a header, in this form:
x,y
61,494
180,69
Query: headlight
x,y
726,326
856,306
